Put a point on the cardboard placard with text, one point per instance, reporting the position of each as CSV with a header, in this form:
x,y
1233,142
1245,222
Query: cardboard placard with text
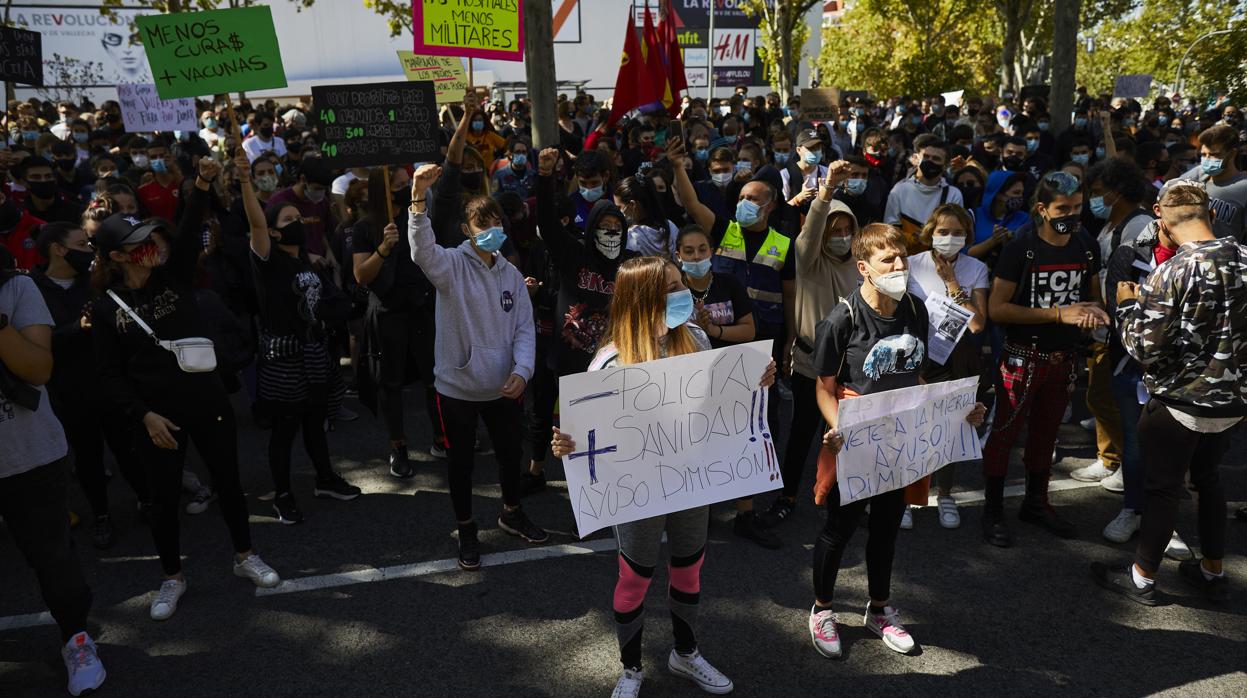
x,y
21,56
820,103
202,53
143,110
446,73
383,123
469,28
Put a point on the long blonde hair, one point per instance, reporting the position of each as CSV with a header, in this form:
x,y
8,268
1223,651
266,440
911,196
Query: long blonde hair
x,y
638,305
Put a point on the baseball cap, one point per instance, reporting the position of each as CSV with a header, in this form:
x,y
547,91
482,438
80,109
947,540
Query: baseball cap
x,y
121,229
807,136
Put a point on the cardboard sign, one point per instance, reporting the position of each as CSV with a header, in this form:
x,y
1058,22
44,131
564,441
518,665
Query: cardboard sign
x,y
203,53
470,28
446,73
1132,86
143,110
21,56
384,123
820,103
953,99
667,435
895,438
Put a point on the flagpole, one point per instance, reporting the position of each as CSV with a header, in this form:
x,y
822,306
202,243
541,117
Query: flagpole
x,y
710,59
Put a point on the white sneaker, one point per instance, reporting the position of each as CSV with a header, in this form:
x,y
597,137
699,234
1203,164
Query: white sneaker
x,y
1120,529
696,669
907,518
200,500
629,685
1115,482
166,602
1088,424
1092,473
257,571
82,664
823,632
1178,549
888,626
949,516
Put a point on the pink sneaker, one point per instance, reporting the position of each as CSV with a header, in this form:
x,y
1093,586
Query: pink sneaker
x,y
888,626
823,632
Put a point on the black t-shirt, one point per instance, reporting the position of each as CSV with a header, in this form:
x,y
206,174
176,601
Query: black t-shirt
x,y
870,353
288,292
409,287
1058,276
728,301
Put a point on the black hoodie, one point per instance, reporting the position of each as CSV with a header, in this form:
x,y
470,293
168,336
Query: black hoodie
x,y
587,280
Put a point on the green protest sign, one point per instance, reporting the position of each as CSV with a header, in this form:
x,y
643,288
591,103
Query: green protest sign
x,y
203,53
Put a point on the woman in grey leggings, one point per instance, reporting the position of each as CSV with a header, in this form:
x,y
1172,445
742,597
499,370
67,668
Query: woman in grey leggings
x,y
649,319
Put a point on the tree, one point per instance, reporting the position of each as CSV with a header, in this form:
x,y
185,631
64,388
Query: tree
x,y
784,32
70,78
1014,14
396,12
1064,60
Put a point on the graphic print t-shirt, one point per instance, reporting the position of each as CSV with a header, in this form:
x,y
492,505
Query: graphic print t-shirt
x,y
870,353
1062,276
728,302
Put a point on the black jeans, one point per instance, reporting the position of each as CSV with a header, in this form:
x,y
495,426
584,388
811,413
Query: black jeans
x,y
406,337
84,431
35,511
502,418
287,420
885,522
1169,450
806,426
216,438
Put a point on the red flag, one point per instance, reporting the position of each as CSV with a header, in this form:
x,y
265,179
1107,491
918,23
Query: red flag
x,y
634,86
673,59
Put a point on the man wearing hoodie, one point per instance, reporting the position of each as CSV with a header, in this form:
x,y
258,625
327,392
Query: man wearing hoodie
x,y
484,355
1002,212
913,199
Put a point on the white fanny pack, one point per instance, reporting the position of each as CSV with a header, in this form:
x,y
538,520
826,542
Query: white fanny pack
x,y
194,354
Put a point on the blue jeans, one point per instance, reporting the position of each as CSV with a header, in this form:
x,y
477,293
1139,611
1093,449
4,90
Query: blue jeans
x,y
1124,393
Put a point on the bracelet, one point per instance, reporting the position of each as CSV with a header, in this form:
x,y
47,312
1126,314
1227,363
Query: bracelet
x,y
417,201
1058,313
720,336
382,256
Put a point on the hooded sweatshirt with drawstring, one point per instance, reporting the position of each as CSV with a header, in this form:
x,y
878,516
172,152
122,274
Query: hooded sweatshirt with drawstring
x,y
822,279
984,222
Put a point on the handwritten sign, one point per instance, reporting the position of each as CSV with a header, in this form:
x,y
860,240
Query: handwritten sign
x,y
1132,86
895,438
202,53
143,110
446,73
667,435
21,56
384,123
820,103
469,28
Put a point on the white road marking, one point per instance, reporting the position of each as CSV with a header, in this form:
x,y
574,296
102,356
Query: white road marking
x,y
29,620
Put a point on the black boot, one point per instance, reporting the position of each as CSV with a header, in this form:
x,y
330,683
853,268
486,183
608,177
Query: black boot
x,y
994,529
400,466
469,548
1037,510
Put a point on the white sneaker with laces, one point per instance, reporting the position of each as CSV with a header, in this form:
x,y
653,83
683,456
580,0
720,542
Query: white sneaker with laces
x,y
82,664
1178,549
1088,424
823,632
1092,473
695,668
629,685
949,516
907,518
257,571
1115,482
166,602
888,626
1120,529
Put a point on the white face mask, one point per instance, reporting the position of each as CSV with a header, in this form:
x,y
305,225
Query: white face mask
x,y
609,242
839,246
948,245
892,284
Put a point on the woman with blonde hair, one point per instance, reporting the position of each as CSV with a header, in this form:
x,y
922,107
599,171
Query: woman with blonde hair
x,y
650,319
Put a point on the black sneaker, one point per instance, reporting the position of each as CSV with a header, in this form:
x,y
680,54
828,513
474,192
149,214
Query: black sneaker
x,y
336,488
1044,516
1121,580
1215,589
746,526
287,511
777,513
102,533
469,547
995,531
400,467
533,483
516,522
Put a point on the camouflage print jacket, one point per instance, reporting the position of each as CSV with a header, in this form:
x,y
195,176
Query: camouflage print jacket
x,y
1186,329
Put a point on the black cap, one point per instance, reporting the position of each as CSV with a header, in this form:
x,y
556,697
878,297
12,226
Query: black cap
x,y
806,136
121,229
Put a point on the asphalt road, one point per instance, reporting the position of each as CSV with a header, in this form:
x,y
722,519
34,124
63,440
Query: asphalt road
x,y
1022,621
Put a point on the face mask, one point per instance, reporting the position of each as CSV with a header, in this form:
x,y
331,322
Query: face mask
x,y
266,132
266,183
970,194
855,187
1099,152
697,270
591,195
679,308
747,212
721,178
80,137
1080,122
79,260
1012,163
1014,203
471,180
1003,117
66,164
1127,123
140,161
1098,208
1081,158
892,284
478,126
314,195
114,117
781,158
1211,166
787,111
858,112
490,240
839,246
948,246
1043,126
106,175
930,169
744,116
145,255
844,124
702,154
210,124
1170,144
1032,144
30,136
293,233
812,157
1065,225
1162,120
159,166
43,190
519,160
609,242
916,120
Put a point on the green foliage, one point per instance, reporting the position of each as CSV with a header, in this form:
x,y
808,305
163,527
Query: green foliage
x,y
396,12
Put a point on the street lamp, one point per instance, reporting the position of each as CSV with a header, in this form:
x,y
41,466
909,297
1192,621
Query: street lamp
x,y
1178,78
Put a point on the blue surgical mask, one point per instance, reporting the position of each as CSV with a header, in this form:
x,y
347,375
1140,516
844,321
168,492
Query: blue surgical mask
x,y
1081,158
702,154
679,308
787,111
855,187
1099,209
812,157
1211,166
30,136
1032,144
697,270
1044,125
744,116
158,166
80,137
1099,152
519,160
844,124
721,179
916,119
591,195
1162,120
1080,122
859,112
490,239
747,212
1127,123
478,126
781,158
210,123
278,168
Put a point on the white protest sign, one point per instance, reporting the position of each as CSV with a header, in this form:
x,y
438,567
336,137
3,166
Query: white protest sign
x,y
895,438
953,99
667,435
143,110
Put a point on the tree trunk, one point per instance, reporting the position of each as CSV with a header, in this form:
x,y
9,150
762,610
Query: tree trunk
x,y
785,53
1064,61
1008,58
539,69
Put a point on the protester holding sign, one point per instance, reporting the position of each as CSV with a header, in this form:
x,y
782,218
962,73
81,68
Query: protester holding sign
x,y
649,319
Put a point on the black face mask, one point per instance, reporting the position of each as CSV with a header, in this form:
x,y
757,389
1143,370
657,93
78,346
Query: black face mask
x,y
1013,163
114,117
470,180
972,194
66,164
43,190
1065,225
292,234
402,199
930,169
80,260
266,132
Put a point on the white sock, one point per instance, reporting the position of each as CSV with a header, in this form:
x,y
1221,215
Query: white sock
x,y
1210,575
1139,580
